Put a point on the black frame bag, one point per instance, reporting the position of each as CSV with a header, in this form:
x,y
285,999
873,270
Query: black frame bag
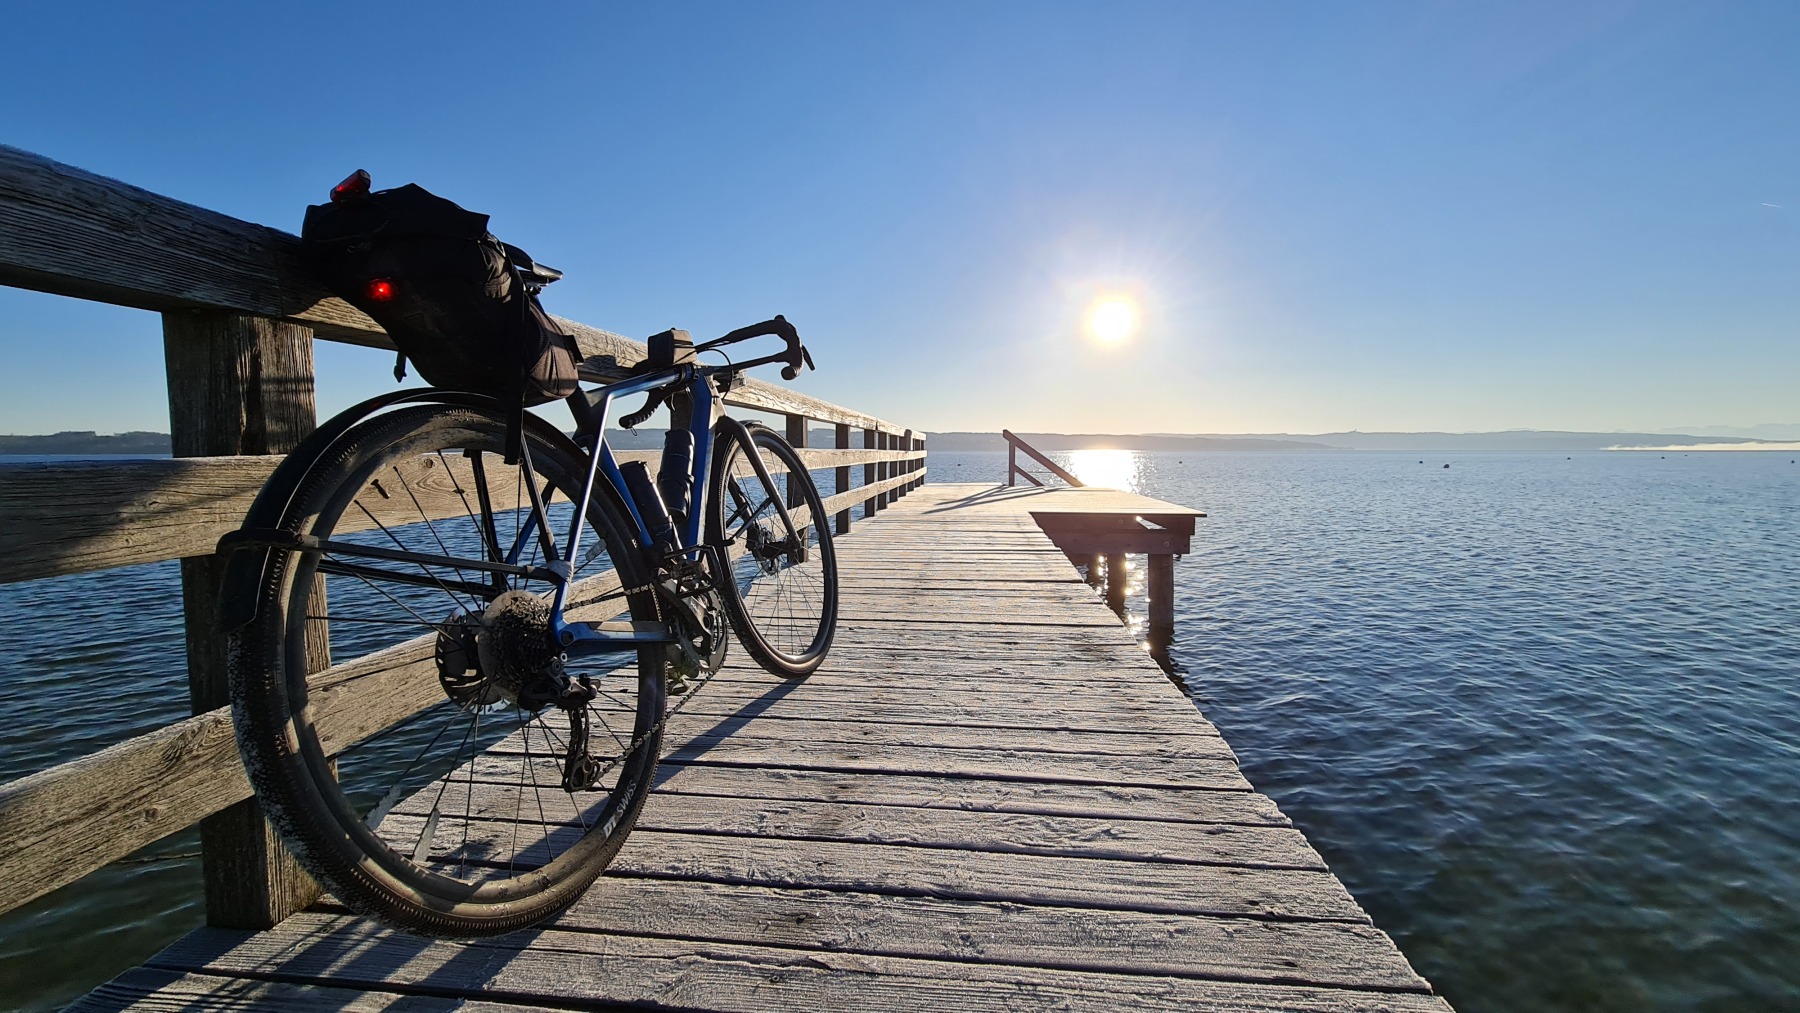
x,y
450,295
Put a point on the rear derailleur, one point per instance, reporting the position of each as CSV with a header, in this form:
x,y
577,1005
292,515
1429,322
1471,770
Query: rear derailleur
x,y
504,655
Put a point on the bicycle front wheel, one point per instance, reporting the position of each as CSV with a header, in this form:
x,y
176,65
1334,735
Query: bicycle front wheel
x,y
782,591
392,710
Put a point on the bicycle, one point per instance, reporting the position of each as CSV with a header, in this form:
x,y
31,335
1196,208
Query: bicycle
x,y
481,761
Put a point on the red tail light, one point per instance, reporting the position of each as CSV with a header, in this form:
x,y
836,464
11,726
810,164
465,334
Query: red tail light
x,y
380,290
354,185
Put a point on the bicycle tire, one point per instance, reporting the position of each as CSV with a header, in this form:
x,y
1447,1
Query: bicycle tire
x,y
359,827
783,610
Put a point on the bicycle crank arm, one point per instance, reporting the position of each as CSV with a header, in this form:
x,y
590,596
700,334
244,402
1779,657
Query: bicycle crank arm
x,y
601,638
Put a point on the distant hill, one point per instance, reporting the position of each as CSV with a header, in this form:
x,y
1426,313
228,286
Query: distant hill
x,y
1778,431
86,442
1511,441
1103,441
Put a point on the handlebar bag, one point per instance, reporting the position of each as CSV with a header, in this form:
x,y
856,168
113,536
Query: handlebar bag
x,y
444,289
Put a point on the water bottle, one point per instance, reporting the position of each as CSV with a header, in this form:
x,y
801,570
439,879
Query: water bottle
x,y
675,479
649,504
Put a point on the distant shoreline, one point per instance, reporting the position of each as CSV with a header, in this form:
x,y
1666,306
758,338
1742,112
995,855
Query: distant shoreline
x,y
87,443
1512,441
148,444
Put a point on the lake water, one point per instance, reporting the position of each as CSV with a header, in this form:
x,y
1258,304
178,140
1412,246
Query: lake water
x,y
1541,714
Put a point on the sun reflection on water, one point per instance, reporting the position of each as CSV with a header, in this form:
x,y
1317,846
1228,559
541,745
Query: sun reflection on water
x,y
1109,469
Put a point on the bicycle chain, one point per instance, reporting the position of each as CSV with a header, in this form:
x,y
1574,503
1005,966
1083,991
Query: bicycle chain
x,y
657,728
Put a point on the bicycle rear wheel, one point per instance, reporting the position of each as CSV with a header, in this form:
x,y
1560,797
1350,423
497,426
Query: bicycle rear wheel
x,y
782,595
389,710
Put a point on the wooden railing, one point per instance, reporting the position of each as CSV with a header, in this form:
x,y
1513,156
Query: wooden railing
x,y
239,320
1014,470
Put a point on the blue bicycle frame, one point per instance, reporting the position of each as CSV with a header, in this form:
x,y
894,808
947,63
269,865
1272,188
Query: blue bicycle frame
x,y
584,638
580,638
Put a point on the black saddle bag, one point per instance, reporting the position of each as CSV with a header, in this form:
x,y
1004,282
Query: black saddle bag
x,y
450,295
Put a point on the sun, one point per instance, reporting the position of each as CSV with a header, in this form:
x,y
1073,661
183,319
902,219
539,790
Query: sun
x,y
1113,319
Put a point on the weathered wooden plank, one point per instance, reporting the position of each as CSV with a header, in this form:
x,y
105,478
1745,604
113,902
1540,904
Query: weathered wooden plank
x,y
1339,954
60,824
1089,726
148,511
1012,765
1035,674
598,969
847,692
842,694
758,394
818,459
527,824
997,833
928,619
999,677
1027,638
133,512
151,990
843,501
74,233
120,513
1100,801
1022,879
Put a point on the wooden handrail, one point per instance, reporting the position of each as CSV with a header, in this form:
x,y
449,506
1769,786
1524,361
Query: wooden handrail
x,y
1014,444
67,231
133,512
240,314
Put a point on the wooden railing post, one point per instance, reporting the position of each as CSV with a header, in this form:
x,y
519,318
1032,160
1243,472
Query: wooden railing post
x,y
902,468
842,477
887,469
238,384
870,442
1160,578
796,437
1115,582
1014,445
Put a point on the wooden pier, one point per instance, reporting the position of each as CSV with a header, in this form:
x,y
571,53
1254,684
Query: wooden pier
x,y
988,798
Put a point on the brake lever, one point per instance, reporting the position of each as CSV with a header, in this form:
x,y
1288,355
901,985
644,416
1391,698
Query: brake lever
x,y
642,415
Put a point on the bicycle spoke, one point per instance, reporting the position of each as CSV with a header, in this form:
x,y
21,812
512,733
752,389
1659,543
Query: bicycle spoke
x,y
423,517
403,548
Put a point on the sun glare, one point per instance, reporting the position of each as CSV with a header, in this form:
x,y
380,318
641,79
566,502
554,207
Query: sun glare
x,y
1107,469
1112,320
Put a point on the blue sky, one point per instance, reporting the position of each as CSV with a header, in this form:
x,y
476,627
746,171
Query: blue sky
x,y
1331,215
